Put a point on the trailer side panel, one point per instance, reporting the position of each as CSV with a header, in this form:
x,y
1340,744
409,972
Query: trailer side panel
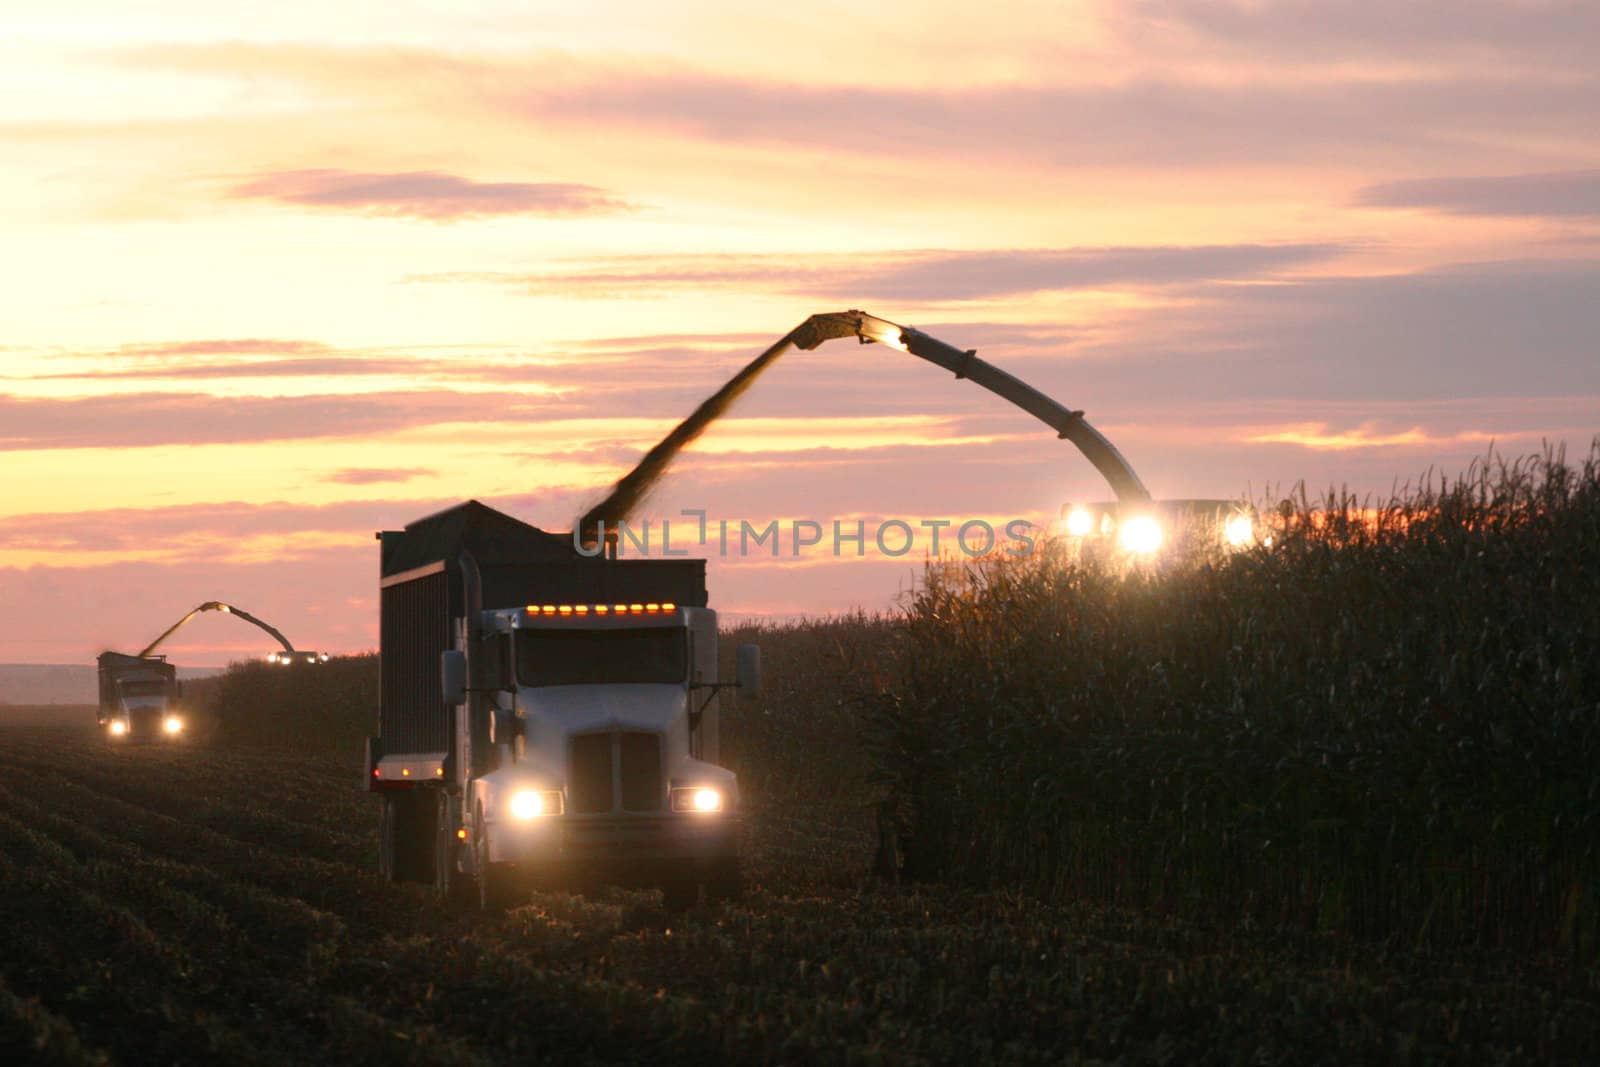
x,y
416,629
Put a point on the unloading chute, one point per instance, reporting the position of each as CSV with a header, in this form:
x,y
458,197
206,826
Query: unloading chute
x,y
288,655
1070,425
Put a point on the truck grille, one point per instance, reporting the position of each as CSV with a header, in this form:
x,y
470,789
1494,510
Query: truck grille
x,y
613,771
641,771
589,778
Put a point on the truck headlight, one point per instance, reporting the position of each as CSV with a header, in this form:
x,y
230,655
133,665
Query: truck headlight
x,y
697,798
172,724
118,727
533,803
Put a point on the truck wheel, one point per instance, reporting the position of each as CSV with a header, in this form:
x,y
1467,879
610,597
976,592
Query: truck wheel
x,y
499,886
386,841
449,881
726,880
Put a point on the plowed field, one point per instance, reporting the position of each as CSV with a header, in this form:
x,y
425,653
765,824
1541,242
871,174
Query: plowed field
x,y
201,905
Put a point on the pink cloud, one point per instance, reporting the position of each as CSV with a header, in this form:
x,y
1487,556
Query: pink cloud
x,y
916,276
265,368
187,418
426,194
222,347
1566,194
372,476
1180,117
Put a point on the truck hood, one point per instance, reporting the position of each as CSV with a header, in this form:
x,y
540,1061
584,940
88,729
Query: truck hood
x,y
144,703
582,708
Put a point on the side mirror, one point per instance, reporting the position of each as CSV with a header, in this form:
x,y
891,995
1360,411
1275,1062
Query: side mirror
x,y
453,675
749,670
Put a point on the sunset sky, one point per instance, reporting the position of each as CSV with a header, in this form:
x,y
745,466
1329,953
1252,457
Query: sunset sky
x,y
282,276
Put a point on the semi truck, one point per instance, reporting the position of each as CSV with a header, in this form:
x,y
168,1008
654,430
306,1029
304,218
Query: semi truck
x,y
139,697
548,717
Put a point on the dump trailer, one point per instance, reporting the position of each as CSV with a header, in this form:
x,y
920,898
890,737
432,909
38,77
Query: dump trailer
x,y
139,697
548,717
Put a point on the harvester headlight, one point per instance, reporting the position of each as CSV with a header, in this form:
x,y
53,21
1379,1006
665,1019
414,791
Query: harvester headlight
x,y
1239,531
172,724
1140,534
1079,522
534,803
697,798
118,727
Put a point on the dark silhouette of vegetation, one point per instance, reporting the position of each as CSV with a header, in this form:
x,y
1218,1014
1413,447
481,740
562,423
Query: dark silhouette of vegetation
x,y
1329,801
1387,723
328,708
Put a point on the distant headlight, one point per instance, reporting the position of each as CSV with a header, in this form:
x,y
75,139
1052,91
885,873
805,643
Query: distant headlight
x,y
1140,535
118,727
1239,531
532,803
172,724
697,798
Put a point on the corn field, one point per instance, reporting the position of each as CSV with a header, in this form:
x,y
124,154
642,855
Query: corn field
x,y
1327,801
1387,723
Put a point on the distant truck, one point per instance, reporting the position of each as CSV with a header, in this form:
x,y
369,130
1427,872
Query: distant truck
x,y
548,717
139,697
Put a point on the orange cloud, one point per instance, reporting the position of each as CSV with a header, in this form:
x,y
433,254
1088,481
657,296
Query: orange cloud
x,y
1316,435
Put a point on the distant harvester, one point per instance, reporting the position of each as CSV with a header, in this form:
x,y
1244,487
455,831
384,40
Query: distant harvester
x,y
140,694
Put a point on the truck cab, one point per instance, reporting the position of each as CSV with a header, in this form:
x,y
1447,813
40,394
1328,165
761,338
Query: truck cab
x,y
607,745
569,737
138,698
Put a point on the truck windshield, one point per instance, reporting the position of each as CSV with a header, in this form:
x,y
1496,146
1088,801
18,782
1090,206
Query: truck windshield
x,y
597,657
144,689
